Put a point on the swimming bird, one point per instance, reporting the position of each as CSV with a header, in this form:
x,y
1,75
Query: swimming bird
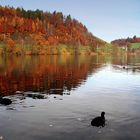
x,y
5,101
99,121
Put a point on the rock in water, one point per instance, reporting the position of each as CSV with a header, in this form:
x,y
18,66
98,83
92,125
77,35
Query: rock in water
x,y
36,95
5,101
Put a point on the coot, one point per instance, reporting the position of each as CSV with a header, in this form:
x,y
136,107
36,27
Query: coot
x,y
99,121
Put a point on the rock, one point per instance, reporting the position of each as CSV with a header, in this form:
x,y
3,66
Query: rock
x,y
36,95
5,101
19,92
57,98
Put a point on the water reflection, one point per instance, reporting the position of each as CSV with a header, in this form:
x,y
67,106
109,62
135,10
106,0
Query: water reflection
x,y
49,74
127,63
100,83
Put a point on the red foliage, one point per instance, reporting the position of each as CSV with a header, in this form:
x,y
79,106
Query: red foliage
x,y
55,27
124,42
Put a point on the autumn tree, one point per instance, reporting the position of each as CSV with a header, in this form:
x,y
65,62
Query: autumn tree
x,y
43,28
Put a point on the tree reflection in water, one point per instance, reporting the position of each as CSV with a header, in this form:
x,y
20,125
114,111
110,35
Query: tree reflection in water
x,y
48,74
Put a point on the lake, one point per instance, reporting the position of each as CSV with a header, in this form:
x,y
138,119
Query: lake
x,y
77,89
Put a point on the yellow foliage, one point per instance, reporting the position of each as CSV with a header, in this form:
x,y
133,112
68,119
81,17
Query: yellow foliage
x,y
1,50
63,51
42,52
10,43
18,50
28,52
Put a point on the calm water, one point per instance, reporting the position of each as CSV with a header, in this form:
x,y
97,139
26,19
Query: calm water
x,y
77,90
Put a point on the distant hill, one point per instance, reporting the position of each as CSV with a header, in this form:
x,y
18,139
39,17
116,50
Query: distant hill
x,y
126,41
129,45
33,31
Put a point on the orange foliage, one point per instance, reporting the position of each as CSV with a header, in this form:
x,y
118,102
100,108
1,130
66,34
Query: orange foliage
x,y
45,28
10,43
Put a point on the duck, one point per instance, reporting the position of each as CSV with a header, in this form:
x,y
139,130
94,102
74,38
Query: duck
x,y
99,121
5,101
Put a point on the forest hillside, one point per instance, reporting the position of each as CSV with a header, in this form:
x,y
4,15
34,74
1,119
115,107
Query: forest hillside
x,y
39,32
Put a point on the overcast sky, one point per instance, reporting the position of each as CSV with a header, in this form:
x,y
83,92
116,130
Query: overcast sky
x,y
106,19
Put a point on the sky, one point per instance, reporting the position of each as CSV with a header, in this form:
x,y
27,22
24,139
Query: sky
x,y
106,19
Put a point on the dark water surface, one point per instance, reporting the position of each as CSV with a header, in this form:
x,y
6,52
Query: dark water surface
x,y
77,88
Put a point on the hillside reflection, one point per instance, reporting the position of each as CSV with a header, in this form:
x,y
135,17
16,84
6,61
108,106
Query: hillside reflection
x,y
49,74
127,63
